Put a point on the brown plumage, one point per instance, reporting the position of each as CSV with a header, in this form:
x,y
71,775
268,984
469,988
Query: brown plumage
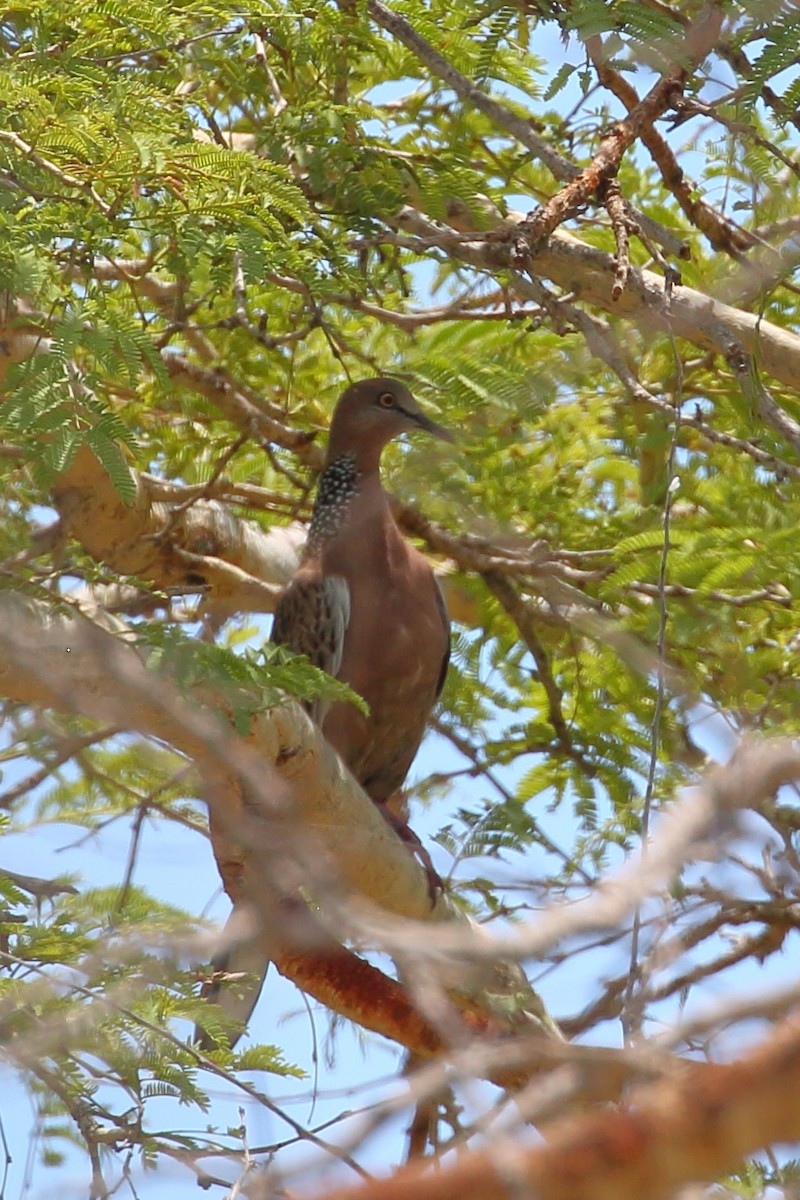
x,y
364,604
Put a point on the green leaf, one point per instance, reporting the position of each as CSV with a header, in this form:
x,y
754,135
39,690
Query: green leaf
x,y
111,457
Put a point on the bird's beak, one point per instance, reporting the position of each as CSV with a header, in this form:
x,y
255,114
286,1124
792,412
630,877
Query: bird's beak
x,y
437,431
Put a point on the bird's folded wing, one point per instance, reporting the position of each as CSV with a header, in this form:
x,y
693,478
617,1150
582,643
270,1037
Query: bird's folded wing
x,y
312,618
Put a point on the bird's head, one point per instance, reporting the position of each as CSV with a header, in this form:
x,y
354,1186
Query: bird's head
x,y
371,413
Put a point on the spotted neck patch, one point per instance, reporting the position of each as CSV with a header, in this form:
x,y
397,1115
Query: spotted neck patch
x,y
337,486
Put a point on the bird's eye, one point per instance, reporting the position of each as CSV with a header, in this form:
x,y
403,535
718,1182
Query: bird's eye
x,y
386,400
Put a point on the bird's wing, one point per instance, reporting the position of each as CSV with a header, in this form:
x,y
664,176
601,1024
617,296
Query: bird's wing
x,y
312,618
446,622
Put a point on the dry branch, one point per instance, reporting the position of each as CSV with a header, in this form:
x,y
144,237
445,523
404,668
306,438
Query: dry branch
x,y
721,232
589,274
143,540
690,1128
538,225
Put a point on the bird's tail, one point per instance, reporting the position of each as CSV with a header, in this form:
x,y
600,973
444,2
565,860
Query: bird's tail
x,y
232,991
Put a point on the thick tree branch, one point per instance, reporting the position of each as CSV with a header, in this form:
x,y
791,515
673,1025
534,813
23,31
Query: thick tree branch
x,y
690,1128
243,566
589,275
75,665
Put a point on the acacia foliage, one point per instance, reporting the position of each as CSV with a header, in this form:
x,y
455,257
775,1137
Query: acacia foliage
x,y
204,209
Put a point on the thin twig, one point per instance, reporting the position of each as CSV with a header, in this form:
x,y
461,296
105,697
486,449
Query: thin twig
x,y
632,1014
82,185
611,195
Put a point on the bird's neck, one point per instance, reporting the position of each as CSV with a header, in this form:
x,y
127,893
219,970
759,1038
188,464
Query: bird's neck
x,y
349,495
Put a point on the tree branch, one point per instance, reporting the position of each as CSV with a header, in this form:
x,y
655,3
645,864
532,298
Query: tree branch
x,y
589,275
502,117
244,566
722,233
538,225
693,1127
284,813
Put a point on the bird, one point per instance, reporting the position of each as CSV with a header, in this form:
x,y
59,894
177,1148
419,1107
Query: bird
x,y
364,605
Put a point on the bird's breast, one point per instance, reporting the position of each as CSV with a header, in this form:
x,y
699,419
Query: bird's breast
x,y
395,638
394,648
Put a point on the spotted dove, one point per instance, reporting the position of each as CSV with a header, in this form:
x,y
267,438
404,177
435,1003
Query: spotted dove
x,y
364,605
